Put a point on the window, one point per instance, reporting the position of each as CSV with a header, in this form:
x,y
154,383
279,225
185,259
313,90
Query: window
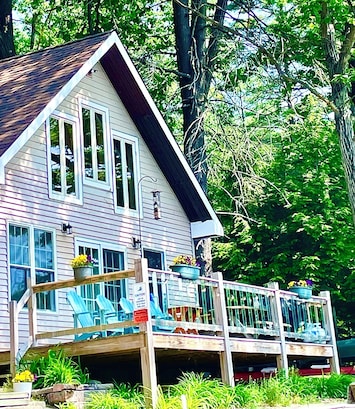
x,y
108,261
125,173
155,261
63,160
95,143
31,255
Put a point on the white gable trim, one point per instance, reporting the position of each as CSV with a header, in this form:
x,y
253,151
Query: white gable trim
x,y
54,103
208,228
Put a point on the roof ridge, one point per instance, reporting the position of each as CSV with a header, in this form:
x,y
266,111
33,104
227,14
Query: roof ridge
x,y
86,38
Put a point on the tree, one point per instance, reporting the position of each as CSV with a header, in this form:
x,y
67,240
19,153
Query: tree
x,y
7,47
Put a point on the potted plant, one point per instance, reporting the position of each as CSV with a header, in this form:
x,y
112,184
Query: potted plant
x,y
82,266
22,381
186,266
303,288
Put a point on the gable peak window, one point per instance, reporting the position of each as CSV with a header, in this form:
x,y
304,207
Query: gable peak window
x,y
95,143
125,155
63,161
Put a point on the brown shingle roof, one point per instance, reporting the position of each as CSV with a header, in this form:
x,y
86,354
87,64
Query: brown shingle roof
x,y
29,82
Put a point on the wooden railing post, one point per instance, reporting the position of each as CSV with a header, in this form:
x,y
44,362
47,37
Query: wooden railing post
x,y
219,302
282,360
328,317
14,345
32,314
147,353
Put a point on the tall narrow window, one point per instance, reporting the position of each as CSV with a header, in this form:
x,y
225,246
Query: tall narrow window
x,y
94,138
63,163
31,254
125,173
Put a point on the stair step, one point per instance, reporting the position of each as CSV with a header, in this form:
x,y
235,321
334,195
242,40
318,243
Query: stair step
x,y
14,399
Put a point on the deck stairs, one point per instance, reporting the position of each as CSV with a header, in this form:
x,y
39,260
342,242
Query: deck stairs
x,y
13,400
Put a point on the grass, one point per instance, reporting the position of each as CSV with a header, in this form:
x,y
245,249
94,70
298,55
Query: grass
x,y
201,393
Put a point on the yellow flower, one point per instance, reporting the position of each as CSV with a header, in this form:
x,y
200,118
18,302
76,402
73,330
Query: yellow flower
x,y
24,376
189,260
300,283
82,260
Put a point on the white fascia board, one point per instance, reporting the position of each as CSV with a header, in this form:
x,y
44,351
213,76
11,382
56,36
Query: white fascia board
x,y
218,227
54,103
208,228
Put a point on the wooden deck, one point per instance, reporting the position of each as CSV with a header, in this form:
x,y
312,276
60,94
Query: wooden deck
x,y
210,320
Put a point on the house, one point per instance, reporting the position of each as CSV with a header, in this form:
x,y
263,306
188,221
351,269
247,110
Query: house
x,y
82,143
88,165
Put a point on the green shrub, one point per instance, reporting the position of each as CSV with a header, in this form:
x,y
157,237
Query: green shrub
x,y
57,368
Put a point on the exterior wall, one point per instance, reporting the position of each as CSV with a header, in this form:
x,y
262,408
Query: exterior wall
x,y
25,199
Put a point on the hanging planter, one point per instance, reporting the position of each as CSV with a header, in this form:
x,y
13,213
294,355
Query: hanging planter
x,y
80,273
186,271
302,292
82,266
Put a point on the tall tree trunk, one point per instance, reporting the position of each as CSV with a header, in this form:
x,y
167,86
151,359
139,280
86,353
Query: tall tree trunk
x,y
195,58
338,58
7,46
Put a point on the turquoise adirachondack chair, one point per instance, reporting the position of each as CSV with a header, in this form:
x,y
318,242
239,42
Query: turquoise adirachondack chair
x,y
109,315
82,316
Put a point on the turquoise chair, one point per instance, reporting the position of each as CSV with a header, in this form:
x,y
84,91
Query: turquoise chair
x,y
159,315
108,314
82,316
128,310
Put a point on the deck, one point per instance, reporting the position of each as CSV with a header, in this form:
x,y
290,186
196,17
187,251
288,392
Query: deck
x,y
200,321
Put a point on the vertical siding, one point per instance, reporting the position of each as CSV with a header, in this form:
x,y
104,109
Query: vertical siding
x,y
25,199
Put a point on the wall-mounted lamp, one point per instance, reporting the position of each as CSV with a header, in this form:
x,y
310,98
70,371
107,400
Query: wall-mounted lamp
x,y
136,243
156,204
67,228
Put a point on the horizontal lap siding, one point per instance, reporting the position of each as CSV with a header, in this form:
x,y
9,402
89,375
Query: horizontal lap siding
x,y
25,199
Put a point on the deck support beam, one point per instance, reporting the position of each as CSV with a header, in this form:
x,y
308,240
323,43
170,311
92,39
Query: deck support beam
x,y
328,316
282,359
226,360
147,353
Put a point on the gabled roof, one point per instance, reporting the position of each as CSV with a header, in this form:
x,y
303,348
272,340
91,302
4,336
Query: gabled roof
x,y
33,85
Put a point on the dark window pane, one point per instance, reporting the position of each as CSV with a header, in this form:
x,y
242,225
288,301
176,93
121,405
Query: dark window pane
x,y
55,155
18,277
118,173
100,148
130,176
89,173
69,159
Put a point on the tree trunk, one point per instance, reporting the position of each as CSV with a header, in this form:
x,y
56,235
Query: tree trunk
x,y
7,47
195,59
338,58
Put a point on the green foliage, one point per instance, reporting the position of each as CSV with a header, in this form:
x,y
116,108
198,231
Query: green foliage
x,y
213,394
301,223
56,368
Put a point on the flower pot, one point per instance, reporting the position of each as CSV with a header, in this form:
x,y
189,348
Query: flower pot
x,y
23,387
80,273
302,292
186,271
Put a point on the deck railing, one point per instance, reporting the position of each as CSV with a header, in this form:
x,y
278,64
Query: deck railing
x,y
251,311
207,306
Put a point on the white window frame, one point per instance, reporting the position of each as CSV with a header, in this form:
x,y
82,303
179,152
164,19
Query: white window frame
x,y
92,106
100,246
134,141
78,198
32,266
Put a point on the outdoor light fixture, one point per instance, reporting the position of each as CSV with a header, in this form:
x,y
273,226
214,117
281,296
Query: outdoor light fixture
x,y
156,204
67,228
136,243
